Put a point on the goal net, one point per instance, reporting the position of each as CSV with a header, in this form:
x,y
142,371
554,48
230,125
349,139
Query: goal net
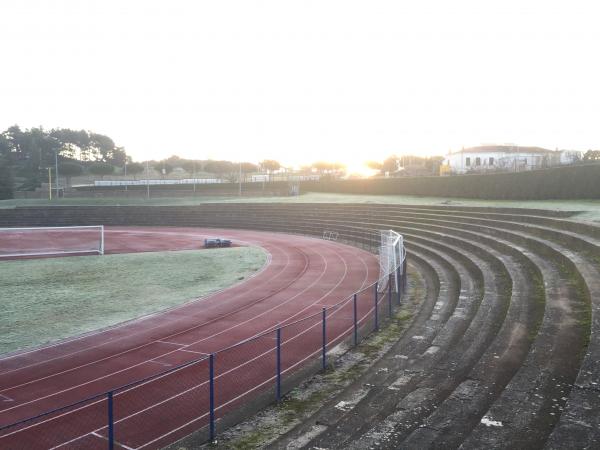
x,y
391,256
41,241
330,235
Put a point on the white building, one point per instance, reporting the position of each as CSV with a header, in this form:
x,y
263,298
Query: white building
x,y
570,156
495,158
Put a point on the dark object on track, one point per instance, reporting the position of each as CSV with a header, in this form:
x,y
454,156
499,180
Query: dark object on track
x,y
216,242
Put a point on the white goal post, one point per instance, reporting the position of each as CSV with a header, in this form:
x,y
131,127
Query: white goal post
x,y
391,257
330,235
46,241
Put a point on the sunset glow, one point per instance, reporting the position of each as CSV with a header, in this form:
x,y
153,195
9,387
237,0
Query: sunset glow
x,y
345,81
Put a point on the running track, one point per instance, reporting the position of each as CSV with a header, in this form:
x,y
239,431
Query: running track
x,y
302,276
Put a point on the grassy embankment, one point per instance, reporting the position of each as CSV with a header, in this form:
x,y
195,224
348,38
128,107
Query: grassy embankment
x,y
589,210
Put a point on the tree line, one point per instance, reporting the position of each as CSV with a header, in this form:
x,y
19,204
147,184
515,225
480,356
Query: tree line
x,y
224,169
27,154
38,146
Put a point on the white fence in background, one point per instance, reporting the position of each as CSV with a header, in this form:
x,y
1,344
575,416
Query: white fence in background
x,y
252,179
156,182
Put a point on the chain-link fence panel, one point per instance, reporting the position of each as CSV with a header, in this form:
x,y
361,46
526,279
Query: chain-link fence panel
x,y
162,408
245,371
72,426
301,345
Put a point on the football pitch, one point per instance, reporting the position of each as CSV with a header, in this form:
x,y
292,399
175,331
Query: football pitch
x,y
44,300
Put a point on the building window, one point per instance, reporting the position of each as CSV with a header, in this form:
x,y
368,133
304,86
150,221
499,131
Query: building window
x,y
468,161
478,161
491,160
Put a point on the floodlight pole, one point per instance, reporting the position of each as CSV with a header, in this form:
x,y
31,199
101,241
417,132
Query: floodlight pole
x,y
194,175
50,183
240,193
56,167
147,181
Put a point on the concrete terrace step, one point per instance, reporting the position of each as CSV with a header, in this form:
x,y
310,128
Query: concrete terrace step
x,y
411,351
508,348
423,376
454,363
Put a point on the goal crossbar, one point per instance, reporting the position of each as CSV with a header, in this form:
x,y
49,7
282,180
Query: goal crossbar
x,y
46,241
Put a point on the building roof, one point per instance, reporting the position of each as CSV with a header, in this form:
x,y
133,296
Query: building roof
x,y
503,149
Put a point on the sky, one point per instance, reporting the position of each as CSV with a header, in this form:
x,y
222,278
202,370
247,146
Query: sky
x,y
300,81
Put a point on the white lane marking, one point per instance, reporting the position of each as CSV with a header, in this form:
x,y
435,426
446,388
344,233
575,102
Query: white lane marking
x,y
365,279
126,351
171,343
193,351
160,362
139,319
269,380
104,438
287,255
269,259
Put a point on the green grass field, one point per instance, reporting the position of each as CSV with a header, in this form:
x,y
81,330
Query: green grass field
x,y
590,209
43,300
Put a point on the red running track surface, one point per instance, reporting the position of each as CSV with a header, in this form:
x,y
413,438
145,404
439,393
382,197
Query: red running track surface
x,y
302,276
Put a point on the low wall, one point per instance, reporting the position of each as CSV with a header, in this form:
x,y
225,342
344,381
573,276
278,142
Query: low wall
x,y
569,182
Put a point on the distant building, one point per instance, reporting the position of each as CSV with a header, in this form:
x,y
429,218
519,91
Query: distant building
x,y
505,158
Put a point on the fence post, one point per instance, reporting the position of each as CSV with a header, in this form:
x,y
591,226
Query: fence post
x,y
111,422
211,374
390,278
324,338
354,311
404,273
278,365
376,308
398,284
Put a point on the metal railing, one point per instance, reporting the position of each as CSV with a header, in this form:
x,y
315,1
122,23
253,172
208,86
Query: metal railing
x,y
192,396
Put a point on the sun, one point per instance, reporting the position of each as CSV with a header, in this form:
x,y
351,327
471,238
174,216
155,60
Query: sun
x,y
357,168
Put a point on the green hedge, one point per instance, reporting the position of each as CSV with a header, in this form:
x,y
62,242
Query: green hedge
x,y
569,182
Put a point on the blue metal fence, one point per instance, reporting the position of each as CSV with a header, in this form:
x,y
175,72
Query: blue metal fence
x,y
194,395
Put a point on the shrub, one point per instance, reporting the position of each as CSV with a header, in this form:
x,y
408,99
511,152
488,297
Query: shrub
x,y
101,169
6,181
69,169
135,169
